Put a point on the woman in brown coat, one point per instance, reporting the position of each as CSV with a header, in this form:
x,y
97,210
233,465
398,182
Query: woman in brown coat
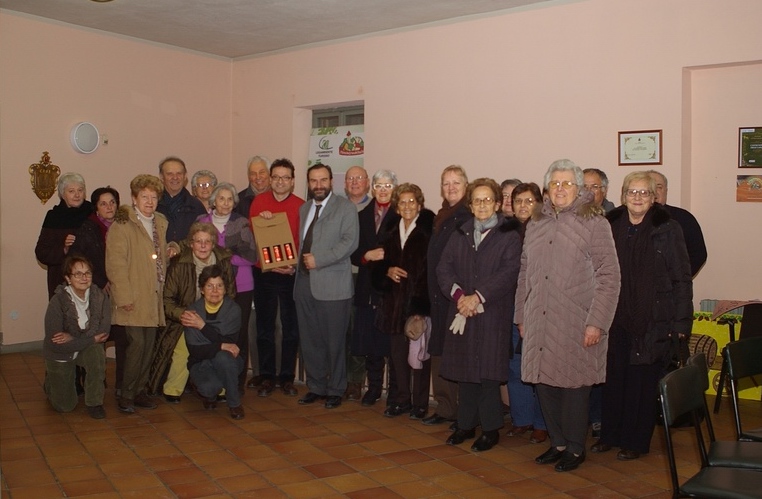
x,y
565,302
478,271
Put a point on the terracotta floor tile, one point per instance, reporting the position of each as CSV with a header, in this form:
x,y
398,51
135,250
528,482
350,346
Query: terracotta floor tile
x,y
168,462
350,482
529,489
196,489
242,483
287,475
333,468
28,478
407,457
66,475
430,468
305,490
373,493
497,475
306,458
565,481
135,481
390,476
268,463
596,492
227,469
87,487
370,463
182,475
37,492
417,489
348,451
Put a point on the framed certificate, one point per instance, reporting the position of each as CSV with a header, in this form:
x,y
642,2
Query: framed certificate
x,y
640,147
750,147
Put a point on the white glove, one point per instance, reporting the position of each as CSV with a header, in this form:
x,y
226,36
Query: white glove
x,y
458,324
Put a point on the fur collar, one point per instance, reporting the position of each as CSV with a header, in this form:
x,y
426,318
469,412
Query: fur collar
x,y
660,215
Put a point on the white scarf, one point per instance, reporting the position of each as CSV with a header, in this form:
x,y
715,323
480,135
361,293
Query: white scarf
x,y
405,233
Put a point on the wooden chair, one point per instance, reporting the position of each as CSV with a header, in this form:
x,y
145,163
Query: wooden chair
x,y
732,454
743,359
681,393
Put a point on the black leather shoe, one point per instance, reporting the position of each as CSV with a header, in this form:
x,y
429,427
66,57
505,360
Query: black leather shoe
x,y
549,456
126,406
266,388
486,441
627,455
569,461
288,388
434,419
172,399
144,401
370,397
459,436
418,412
310,398
454,425
599,447
254,382
333,401
397,410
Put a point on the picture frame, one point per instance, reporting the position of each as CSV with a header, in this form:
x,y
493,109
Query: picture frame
x,y
750,147
640,147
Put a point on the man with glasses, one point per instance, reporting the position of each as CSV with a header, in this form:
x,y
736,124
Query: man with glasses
x,y
275,288
259,182
597,182
357,186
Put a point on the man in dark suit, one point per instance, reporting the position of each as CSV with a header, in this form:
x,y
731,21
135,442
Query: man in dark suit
x,y
329,233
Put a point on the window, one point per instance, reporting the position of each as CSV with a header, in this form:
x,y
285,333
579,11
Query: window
x,y
340,116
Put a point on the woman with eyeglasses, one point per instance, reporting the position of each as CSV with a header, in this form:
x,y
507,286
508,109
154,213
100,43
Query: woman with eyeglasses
x,y
655,308
77,323
368,340
234,233
203,183
565,302
526,415
478,273
170,362
403,279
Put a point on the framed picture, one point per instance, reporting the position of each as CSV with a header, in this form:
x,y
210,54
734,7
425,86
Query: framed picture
x,y
640,147
750,147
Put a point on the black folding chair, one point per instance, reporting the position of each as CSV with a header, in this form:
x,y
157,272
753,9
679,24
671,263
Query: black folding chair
x,y
732,454
680,394
751,327
744,360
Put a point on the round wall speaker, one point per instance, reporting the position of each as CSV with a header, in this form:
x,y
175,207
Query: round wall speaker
x,y
85,137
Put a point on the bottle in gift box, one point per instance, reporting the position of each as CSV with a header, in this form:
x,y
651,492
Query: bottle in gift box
x,y
266,255
277,253
289,251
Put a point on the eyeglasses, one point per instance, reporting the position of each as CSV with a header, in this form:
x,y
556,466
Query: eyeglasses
x,y
357,178
527,201
204,185
82,275
483,201
592,187
277,178
566,184
387,187
407,202
202,242
210,286
632,193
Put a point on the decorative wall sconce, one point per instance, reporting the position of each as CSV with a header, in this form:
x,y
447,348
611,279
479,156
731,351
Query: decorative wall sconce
x,y
85,137
44,178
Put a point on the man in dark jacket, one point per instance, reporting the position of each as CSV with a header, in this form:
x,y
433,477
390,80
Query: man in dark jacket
x,y
177,204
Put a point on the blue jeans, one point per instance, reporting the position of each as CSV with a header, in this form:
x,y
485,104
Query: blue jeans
x,y
212,375
525,406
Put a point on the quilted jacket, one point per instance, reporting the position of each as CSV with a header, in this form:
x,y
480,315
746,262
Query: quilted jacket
x,y
569,279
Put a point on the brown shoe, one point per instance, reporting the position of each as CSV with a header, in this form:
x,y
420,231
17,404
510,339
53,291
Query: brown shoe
x,y
538,436
144,401
627,455
515,431
266,388
210,404
288,388
237,412
353,391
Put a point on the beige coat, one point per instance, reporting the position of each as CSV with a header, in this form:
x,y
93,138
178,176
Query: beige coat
x,y
131,269
569,279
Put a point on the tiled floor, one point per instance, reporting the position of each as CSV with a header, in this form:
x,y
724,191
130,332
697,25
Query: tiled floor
x,y
282,449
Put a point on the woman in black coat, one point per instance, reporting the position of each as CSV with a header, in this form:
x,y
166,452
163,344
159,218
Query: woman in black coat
x,y
367,340
478,271
655,304
402,276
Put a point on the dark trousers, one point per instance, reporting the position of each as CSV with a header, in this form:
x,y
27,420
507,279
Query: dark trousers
x,y
445,391
323,327
565,411
119,336
140,346
271,291
480,403
412,384
243,299
630,401
59,379
212,375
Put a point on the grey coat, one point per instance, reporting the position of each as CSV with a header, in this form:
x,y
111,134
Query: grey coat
x,y
61,316
569,279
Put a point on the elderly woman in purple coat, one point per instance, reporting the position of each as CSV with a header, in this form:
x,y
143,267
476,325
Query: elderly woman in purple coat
x,y
478,271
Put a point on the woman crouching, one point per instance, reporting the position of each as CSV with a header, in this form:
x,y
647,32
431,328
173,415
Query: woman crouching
x,y
77,323
211,331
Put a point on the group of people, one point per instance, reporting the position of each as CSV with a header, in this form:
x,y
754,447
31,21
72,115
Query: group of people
x,y
575,305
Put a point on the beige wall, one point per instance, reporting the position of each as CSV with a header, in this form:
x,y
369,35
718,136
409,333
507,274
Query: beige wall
x,y
503,96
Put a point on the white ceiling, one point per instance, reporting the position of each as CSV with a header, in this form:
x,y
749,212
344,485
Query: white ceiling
x,y
240,28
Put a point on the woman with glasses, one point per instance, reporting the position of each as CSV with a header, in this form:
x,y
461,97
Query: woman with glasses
x,y
526,415
170,363
77,323
403,277
478,272
367,340
565,302
203,183
234,233
655,308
